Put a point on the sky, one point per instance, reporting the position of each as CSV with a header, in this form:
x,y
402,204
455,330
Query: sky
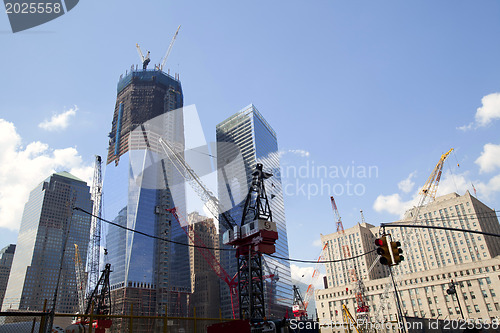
x,y
364,96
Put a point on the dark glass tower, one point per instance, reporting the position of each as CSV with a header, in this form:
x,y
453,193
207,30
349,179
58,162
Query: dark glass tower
x,y
50,228
147,273
249,134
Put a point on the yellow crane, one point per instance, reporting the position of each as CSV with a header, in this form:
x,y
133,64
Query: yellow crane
x,y
429,190
80,280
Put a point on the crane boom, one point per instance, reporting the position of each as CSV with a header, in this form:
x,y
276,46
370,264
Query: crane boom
x,y
80,280
211,202
340,226
164,60
316,273
140,52
429,190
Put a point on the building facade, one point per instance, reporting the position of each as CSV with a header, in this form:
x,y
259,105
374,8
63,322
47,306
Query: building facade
x,y
139,184
248,136
205,296
6,257
434,258
49,230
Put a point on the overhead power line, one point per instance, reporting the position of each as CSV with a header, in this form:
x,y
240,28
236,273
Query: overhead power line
x,y
397,225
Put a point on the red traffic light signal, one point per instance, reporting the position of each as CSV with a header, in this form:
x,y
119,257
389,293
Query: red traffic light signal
x,y
383,251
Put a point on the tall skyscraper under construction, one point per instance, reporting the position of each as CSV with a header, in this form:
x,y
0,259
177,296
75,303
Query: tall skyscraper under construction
x,y
248,135
45,249
149,273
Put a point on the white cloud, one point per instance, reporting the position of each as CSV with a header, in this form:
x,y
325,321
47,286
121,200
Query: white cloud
x,y
58,121
406,185
489,159
300,152
393,204
490,109
488,189
23,168
465,128
304,275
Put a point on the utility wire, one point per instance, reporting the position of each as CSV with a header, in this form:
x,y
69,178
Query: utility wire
x,y
213,248
152,236
385,224
322,261
397,225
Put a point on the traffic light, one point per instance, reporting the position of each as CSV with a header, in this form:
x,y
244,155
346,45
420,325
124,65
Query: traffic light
x,y
451,290
397,252
383,251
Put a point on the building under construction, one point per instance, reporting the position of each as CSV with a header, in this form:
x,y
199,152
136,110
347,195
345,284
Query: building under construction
x,y
152,275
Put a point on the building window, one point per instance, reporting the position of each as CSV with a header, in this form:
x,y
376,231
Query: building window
x,y
469,310
472,296
476,307
488,306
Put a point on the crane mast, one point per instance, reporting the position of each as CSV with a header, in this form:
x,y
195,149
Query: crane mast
x,y
430,187
94,252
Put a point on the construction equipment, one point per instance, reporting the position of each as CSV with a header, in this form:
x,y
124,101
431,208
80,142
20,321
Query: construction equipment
x,y
338,222
208,198
94,251
209,257
315,275
430,187
144,59
298,307
348,320
164,60
98,303
80,280
256,235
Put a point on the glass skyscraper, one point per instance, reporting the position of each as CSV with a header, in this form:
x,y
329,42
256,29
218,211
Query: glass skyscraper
x,y
139,184
49,223
249,136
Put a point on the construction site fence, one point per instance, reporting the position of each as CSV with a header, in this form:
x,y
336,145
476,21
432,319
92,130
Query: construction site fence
x,y
20,322
40,322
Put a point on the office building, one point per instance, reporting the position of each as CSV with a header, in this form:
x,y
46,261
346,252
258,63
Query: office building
x,y
6,257
433,259
138,186
205,296
248,136
45,249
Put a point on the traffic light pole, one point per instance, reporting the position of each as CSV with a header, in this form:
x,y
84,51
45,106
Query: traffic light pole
x,y
401,320
453,291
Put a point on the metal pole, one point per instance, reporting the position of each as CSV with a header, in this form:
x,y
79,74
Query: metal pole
x,y
456,295
400,312
250,280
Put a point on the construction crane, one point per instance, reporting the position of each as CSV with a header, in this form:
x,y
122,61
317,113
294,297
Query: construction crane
x,y
208,255
338,222
349,320
144,59
208,198
427,193
164,60
256,235
298,307
94,251
274,277
430,187
310,288
80,280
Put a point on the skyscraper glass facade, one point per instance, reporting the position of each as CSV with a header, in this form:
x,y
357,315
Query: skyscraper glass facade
x,y
49,230
251,135
138,187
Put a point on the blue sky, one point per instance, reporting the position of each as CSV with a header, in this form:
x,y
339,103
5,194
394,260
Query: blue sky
x,y
381,84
